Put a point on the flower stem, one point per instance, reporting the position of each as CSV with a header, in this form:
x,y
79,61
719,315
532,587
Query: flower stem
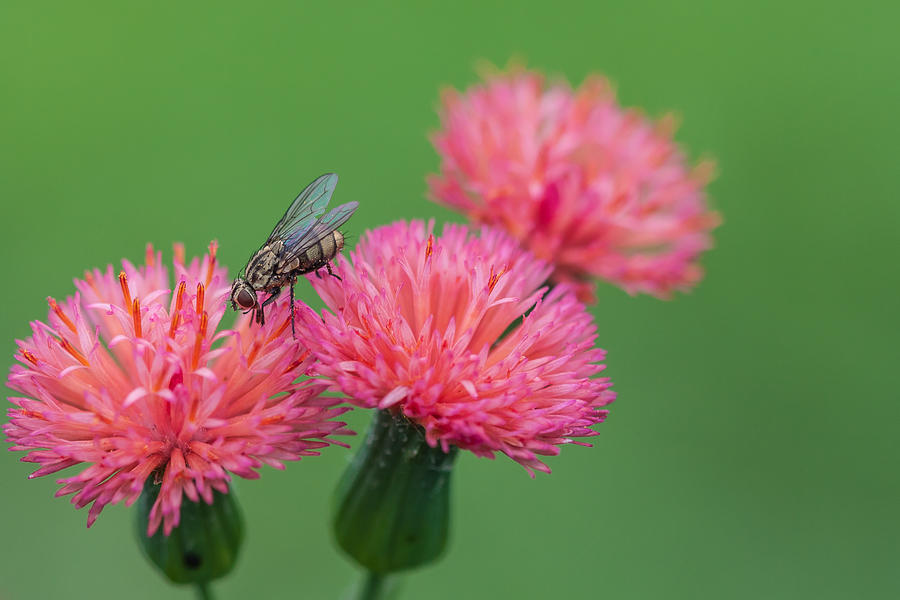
x,y
204,592
373,586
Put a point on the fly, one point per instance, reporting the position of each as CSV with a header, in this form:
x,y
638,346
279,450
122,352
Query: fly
x,y
302,242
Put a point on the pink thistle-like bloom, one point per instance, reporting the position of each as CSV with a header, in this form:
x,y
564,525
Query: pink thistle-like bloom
x,y
417,326
597,190
130,378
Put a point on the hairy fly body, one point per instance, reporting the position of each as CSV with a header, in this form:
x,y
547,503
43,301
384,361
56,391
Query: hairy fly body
x,y
302,242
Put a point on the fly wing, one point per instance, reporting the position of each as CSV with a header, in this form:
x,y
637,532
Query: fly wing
x,y
301,241
304,211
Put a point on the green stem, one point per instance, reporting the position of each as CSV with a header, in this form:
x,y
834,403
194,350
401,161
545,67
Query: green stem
x,y
204,592
373,586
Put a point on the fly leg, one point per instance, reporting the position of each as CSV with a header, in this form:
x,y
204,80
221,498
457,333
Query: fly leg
x,y
330,272
271,298
261,317
293,332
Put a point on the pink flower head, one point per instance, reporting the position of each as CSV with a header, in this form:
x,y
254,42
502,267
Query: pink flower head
x,y
130,378
594,189
417,326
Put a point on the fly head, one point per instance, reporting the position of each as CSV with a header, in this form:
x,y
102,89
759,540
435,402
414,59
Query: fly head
x,y
243,296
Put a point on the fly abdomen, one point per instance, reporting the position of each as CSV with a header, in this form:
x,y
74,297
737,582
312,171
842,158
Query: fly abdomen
x,y
323,251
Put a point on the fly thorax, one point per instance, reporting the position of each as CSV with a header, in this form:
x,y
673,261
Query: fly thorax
x,y
262,268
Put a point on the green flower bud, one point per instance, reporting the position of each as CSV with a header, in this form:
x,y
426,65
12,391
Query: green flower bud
x,y
205,544
393,502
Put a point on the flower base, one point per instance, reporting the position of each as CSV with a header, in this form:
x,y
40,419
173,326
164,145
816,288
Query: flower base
x,y
202,547
393,502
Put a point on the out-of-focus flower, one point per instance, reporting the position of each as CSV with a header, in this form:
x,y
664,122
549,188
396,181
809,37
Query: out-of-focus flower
x,y
594,189
417,326
130,378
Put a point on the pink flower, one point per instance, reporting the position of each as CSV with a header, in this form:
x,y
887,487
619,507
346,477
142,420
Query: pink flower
x,y
417,326
132,380
594,189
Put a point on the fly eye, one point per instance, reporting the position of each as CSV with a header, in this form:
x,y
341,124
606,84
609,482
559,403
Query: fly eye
x,y
245,300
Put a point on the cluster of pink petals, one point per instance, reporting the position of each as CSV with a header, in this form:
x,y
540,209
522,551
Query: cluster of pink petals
x,y
596,190
130,378
417,326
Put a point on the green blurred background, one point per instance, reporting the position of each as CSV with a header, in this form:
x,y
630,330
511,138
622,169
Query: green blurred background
x,y
753,450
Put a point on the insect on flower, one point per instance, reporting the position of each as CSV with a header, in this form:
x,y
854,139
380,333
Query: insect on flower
x,y
302,242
